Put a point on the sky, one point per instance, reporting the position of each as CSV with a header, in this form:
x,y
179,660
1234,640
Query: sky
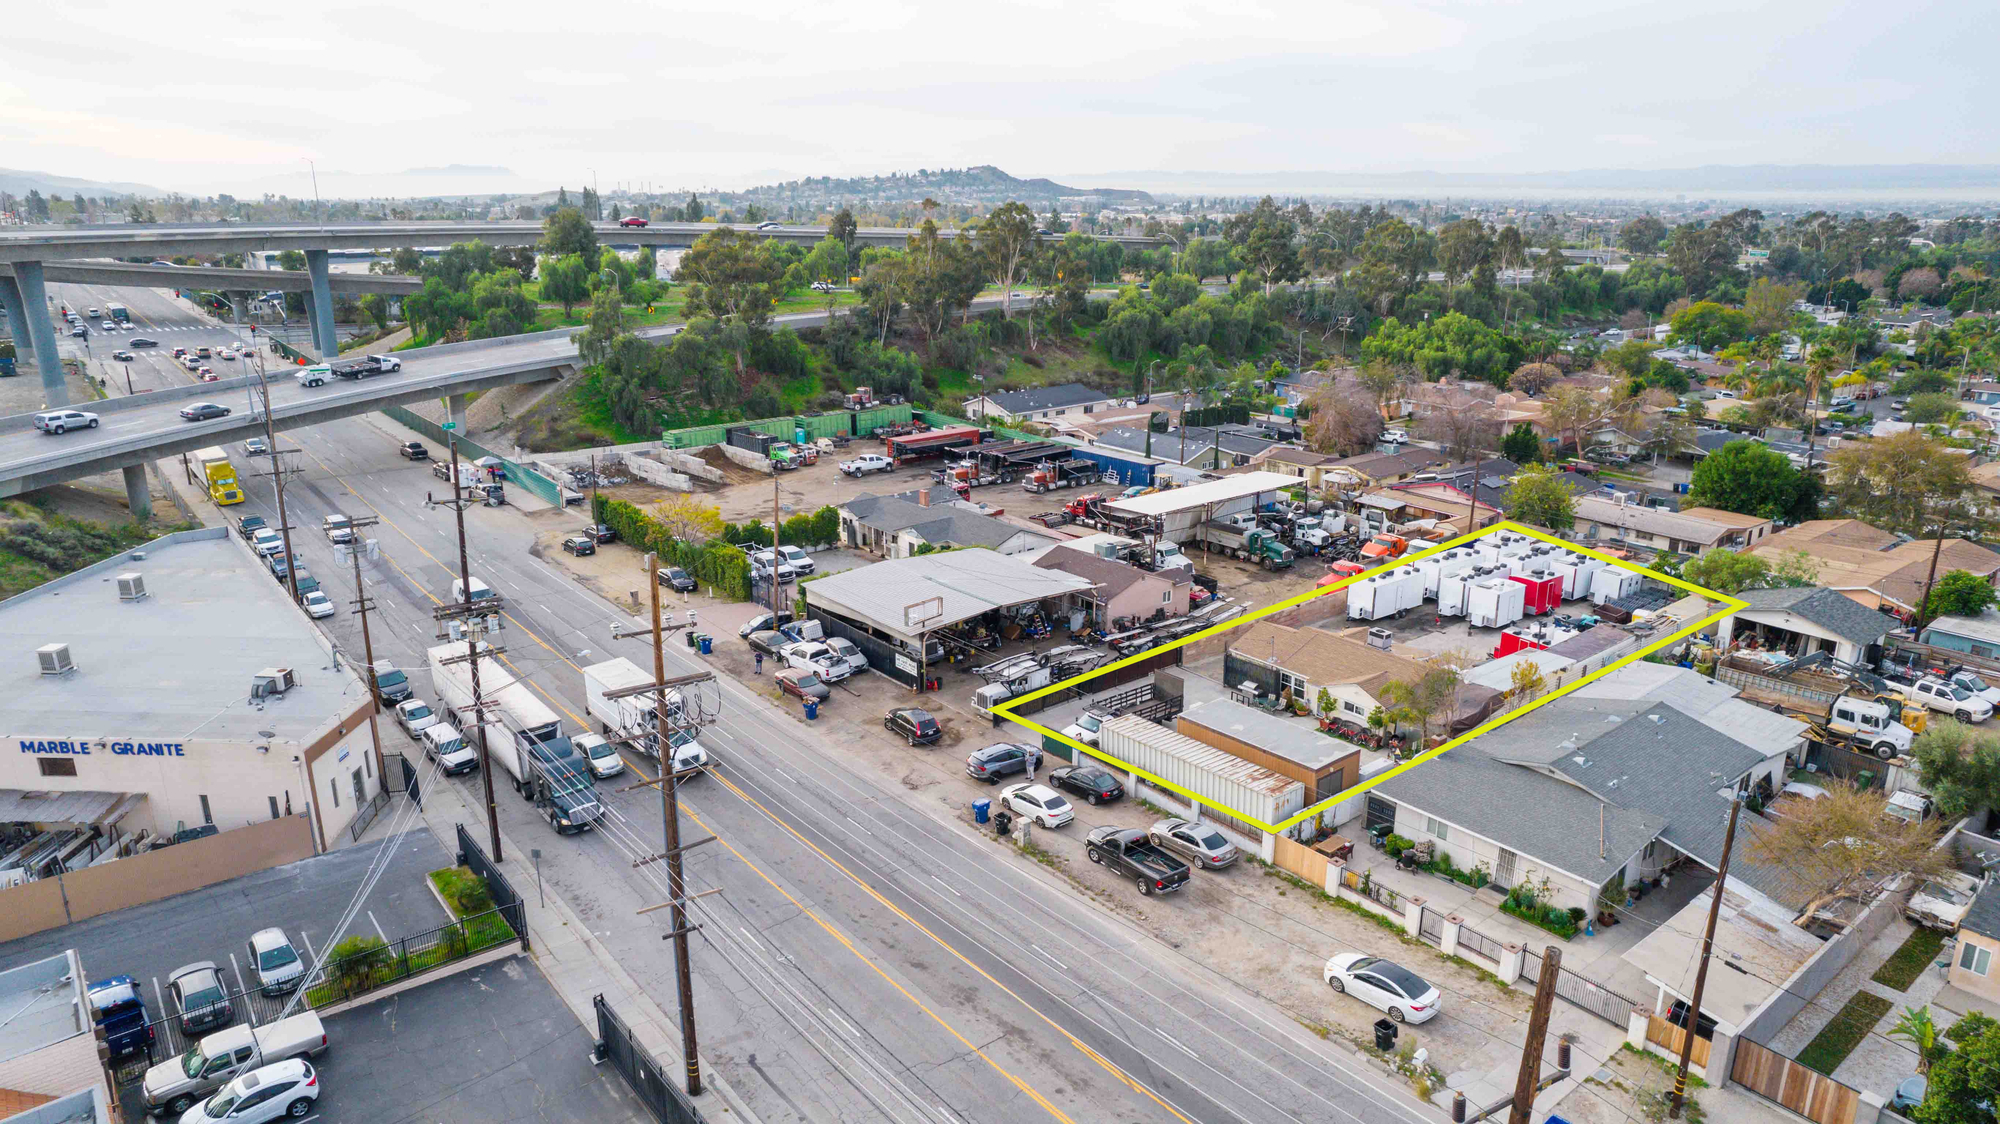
x,y
706,94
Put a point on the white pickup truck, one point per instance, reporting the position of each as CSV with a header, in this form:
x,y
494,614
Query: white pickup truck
x,y
867,463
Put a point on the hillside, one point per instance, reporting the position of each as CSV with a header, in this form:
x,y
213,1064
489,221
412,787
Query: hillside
x,y
979,188
17,181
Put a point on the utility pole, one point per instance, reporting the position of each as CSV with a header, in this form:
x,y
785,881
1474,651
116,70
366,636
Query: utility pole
x,y
1930,580
1679,1094
362,603
671,710
278,480
1528,1083
465,611
776,585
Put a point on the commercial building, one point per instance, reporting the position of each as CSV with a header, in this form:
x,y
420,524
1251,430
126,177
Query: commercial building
x,y
178,686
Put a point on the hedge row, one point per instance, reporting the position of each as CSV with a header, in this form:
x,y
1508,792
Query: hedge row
x,y
721,567
821,528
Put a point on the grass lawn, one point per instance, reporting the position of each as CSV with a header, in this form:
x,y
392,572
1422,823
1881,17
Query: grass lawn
x,y
1907,963
366,963
1844,1032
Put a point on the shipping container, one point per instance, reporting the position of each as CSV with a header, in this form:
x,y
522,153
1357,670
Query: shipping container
x,y
1494,602
868,420
782,428
1251,792
838,424
696,436
1133,470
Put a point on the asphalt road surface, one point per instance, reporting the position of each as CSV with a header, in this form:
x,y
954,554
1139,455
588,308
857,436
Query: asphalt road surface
x,y
867,959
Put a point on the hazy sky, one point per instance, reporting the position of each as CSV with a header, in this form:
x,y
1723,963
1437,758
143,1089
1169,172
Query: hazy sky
x,y
232,96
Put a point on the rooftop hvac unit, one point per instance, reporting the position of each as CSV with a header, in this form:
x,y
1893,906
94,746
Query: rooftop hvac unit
x,y
271,681
1379,638
132,587
55,659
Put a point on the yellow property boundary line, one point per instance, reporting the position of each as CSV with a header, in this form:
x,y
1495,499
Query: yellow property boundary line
x,y
1006,709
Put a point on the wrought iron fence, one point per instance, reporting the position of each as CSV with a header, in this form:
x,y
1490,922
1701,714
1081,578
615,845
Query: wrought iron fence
x,y
505,900
1430,925
667,1102
365,815
372,964
1472,940
1374,891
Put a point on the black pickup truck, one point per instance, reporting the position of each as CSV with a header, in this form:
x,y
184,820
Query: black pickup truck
x,y
1128,852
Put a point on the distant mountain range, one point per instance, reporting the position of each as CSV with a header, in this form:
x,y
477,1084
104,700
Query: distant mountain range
x,y
1970,180
19,182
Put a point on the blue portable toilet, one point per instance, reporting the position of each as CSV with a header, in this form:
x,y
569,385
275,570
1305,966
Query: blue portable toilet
x,y
982,810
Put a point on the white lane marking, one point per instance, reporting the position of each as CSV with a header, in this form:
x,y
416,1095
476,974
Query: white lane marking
x,y
947,886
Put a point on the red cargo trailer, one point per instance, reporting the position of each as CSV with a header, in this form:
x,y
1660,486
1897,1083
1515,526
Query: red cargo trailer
x,y
1544,592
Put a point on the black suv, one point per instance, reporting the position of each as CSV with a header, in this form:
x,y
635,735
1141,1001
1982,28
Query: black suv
x,y
999,760
676,578
914,725
579,545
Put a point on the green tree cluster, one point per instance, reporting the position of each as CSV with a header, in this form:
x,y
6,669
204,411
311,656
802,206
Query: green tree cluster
x,y
1453,345
1751,478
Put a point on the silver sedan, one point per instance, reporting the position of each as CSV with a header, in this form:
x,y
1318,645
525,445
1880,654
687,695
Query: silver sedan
x,y
1198,843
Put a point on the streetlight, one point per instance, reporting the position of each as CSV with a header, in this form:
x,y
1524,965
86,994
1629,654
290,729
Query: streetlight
x,y
317,212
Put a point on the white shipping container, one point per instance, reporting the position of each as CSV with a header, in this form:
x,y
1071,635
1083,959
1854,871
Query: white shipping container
x,y
1495,602
1251,791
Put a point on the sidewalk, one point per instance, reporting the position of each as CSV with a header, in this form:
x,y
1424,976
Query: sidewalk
x,y
577,966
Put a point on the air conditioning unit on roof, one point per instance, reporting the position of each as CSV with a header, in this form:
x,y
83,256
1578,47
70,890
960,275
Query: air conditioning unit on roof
x,y
55,659
132,587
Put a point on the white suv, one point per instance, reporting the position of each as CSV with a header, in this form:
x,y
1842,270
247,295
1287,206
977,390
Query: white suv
x,y
61,421
1945,698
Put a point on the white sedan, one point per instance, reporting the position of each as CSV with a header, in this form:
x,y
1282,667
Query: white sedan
x,y
1037,802
1406,996
317,604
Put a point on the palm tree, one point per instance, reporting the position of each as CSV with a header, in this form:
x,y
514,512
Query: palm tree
x,y
1820,364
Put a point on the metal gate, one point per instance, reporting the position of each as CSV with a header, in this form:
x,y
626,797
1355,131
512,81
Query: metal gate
x,y
1581,993
1381,813
1503,869
1431,926
664,1099
410,782
473,858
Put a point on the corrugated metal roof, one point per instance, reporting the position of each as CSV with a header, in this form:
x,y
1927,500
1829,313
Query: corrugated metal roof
x,y
82,808
1200,495
1204,757
967,582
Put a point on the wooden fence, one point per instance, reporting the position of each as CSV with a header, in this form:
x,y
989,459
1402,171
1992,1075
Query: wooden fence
x,y
1809,1093
1671,1038
1299,859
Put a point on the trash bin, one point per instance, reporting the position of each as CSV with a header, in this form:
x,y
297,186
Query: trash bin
x,y
1003,824
690,640
1385,1034
982,809
812,710
707,643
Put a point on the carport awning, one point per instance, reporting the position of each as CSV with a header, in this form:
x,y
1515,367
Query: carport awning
x,y
67,809
941,589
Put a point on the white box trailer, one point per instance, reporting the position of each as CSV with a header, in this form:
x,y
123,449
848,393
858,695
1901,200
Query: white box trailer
x,y
1495,602
1576,570
634,716
1391,593
1249,791
1454,589
1490,547
521,735
1440,566
1613,582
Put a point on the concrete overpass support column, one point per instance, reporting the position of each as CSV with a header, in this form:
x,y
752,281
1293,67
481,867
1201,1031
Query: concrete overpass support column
x,y
239,308
41,333
17,315
319,306
454,409
138,494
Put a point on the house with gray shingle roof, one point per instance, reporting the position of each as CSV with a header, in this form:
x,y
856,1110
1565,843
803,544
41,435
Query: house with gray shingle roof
x,y
1039,403
895,526
1591,794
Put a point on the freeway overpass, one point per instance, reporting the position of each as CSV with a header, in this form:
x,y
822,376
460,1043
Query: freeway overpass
x,y
128,274
145,427
27,251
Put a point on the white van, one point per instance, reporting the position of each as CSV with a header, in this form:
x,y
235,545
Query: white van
x,y
446,746
174,1085
480,591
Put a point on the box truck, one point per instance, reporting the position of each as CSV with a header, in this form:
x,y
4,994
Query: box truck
x,y
522,736
635,716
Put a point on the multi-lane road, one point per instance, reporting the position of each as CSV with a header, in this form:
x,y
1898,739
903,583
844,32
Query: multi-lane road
x,y
868,959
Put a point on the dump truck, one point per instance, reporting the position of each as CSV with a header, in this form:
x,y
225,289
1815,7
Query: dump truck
x,y
214,466
1061,474
1384,546
1843,708
1257,544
